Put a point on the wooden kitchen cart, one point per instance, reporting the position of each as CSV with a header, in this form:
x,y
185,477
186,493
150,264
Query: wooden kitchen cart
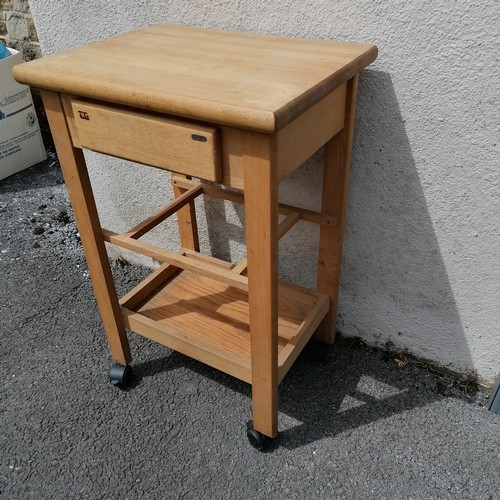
x,y
236,109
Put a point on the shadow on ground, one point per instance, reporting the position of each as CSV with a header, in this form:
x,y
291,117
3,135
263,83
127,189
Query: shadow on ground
x,y
343,387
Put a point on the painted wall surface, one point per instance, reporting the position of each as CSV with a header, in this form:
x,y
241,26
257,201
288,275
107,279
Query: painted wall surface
x,y
421,265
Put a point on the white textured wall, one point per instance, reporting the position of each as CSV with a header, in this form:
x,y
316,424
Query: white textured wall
x,y
422,251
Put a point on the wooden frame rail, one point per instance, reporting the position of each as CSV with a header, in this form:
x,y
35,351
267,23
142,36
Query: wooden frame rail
x,y
164,213
230,195
233,275
181,261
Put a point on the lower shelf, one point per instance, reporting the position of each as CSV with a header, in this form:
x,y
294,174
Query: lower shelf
x,y
208,321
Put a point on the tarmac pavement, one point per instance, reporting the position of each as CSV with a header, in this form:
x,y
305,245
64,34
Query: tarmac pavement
x,y
364,424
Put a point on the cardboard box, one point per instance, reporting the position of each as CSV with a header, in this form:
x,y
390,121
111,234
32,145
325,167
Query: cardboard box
x,y
21,143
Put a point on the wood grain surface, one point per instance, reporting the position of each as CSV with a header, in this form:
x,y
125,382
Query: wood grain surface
x,y
249,81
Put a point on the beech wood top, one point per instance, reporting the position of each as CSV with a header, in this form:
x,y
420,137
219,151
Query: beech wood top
x,y
248,81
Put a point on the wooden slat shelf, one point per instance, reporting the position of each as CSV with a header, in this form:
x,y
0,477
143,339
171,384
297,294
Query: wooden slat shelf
x,y
208,320
198,305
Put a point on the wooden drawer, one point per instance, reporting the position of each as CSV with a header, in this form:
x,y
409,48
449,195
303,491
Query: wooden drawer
x,y
180,146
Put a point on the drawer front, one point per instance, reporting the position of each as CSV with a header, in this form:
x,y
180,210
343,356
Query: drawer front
x,y
173,144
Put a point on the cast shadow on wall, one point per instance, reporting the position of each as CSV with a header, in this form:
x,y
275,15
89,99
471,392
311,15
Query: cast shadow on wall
x,y
395,288
394,283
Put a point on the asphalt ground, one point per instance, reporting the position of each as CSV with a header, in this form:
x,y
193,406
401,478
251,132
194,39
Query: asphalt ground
x,y
361,424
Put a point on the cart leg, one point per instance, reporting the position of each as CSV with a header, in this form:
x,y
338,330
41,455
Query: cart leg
x,y
186,219
82,200
334,202
261,215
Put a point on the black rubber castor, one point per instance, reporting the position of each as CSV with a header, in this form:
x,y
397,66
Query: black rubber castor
x,y
258,440
318,352
120,375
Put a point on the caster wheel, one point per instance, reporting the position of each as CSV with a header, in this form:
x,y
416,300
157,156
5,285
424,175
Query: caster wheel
x,y
120,375
318,352
258,440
